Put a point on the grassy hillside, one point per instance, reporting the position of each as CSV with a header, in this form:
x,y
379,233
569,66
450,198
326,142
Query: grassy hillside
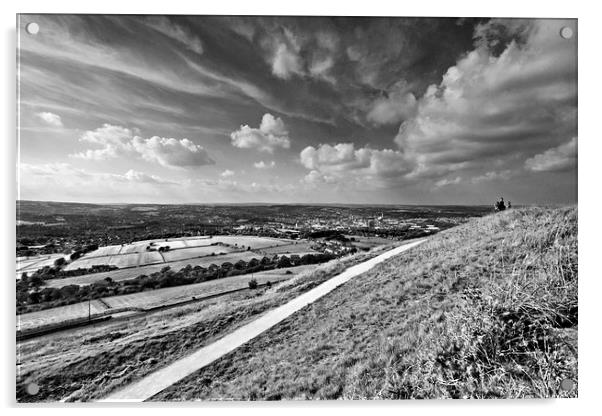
x,y
485,310
88,363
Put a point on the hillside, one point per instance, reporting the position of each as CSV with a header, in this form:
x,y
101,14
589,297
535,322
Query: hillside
x,y
484,310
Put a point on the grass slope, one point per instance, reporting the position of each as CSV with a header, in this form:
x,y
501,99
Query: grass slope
x,y
485,310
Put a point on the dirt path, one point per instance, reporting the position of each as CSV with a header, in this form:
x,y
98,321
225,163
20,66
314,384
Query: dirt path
x,y
165,377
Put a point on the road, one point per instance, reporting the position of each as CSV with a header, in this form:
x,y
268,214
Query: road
x,y
161,379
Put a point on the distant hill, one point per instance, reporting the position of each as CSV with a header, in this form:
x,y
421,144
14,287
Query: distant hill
x,y
487,309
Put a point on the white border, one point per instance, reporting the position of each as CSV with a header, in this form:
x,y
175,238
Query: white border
x,y
589,187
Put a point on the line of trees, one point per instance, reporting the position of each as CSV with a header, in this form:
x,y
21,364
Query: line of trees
x,y
56,271
31,296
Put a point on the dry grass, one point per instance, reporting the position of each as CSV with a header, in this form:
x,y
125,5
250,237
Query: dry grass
x,y
484,310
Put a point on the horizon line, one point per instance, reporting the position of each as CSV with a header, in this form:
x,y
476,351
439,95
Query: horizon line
x,y
288,203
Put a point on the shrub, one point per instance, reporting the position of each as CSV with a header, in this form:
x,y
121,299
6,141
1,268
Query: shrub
x,y
252,284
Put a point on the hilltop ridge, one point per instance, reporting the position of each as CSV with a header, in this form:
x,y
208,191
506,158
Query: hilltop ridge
x,y
487,309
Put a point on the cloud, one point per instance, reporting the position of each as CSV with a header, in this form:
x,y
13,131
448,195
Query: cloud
x,y
286,62
172,152
301,52
176,32
398,105
343,163
141,177
64,174
227,173
446,181
65,182
262,165
495,105
558,158
271,134
320,68
50,118
117,141
493,176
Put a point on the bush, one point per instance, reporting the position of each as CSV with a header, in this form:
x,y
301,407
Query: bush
x,y
252,284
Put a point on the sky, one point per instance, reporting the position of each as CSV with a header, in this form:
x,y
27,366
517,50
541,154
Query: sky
x,y
233,109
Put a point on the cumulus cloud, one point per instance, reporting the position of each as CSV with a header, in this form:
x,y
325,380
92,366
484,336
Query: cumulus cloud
x,y
344,163
50,119
172,152
506,97
118,141
262,165
271,134
398,105
286,62
556,159
227,173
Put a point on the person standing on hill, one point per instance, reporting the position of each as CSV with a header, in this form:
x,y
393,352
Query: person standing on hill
x,y
509,205
500,205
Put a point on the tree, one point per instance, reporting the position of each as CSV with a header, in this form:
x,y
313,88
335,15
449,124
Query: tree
x,y
34,297
307,259
240,265
284,261
59,262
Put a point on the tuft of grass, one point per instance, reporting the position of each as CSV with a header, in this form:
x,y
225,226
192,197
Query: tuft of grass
x,y
488,309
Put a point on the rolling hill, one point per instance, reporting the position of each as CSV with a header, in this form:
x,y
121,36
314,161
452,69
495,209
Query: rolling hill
x,y
488,309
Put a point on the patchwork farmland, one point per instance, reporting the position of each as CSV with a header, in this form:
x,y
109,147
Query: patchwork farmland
x,y
150,258
142,253
134,260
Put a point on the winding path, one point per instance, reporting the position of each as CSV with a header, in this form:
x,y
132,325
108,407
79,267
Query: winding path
x,y
159,380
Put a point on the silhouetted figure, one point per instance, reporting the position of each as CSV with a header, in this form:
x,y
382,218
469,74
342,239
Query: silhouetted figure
x,y
509,205
500,205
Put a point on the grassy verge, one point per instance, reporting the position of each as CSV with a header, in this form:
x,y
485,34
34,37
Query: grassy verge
x,y
485,310
87,364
